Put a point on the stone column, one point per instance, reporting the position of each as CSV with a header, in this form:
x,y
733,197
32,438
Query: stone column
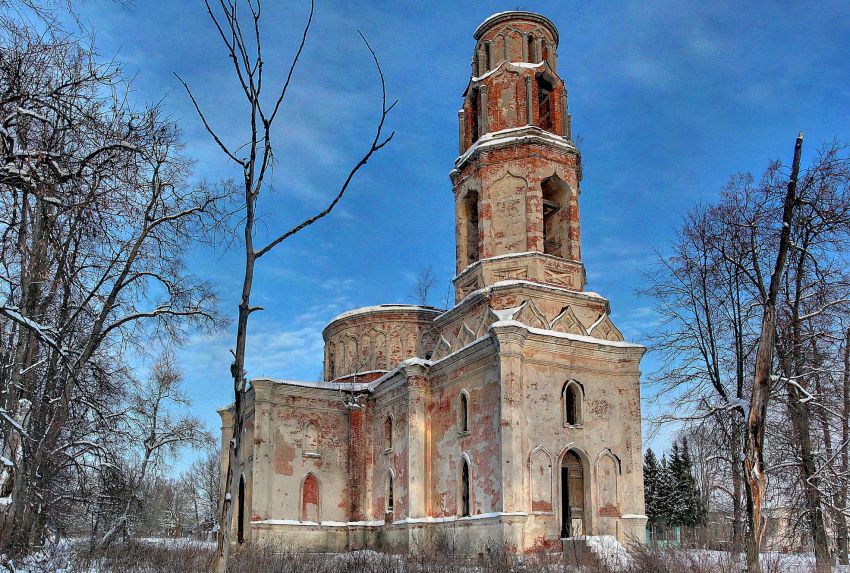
x,y
461,126
482,111
480,60
526,57
565,116
529,102
491,57
417,431
226,435
510,340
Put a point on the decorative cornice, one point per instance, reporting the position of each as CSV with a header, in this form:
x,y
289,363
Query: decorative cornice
x,y
507,16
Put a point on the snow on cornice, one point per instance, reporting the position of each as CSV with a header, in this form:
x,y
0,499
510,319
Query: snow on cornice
x,y
526,65
512,135
566,335
386,308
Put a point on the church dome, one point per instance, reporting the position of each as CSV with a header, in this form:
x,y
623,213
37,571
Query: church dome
x,y
372,340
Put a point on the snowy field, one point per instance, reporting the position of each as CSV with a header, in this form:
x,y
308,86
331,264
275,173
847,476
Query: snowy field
x,y
158,555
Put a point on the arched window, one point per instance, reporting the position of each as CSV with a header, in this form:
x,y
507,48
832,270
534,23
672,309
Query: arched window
x,y
473,116
571,399
544,104
463,412
310,499
465,504
469,222
555,216
531,49
390,496
388,433
311,440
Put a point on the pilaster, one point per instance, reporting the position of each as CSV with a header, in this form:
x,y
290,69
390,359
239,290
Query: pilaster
x,y
417,432
263,443
510,341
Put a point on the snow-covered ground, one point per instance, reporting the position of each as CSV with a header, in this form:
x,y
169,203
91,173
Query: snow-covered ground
x,y
57,559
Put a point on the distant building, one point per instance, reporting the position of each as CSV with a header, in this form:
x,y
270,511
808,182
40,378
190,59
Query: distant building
x,y
512,418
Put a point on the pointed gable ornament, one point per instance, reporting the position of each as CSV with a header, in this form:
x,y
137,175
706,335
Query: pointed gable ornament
x,y
604,329
568,323
529,315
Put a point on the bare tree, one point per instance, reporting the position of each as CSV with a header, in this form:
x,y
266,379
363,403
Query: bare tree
x,y
425,281
239,27
158,425
95,217
204,480
755,349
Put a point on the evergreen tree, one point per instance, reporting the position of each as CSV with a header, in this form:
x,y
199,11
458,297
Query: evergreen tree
x,y
677,483
666,493
651,477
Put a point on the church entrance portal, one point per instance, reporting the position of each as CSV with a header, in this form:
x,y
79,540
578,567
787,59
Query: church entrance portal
x,y
572,496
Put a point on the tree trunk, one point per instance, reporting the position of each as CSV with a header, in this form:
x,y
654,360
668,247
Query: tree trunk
x,y
799,414
754,470
231,485
841,517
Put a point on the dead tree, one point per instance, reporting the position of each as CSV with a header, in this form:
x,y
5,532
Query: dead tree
x,y
239,28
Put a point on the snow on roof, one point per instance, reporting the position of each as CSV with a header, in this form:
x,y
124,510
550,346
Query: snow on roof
x,y
567,335
513,282
385,308
525,134
351,386
506,62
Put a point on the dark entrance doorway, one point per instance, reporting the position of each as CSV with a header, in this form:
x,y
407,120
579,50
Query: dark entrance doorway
x,y
240,514
572,496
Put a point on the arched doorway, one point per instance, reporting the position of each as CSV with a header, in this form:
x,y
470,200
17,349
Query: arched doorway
x,y
572,496
240,514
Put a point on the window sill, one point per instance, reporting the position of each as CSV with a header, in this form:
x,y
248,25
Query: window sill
x,y
388,451
574,426
312,455
463,434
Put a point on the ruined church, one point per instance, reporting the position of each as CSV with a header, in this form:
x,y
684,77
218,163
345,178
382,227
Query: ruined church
x,y
512,418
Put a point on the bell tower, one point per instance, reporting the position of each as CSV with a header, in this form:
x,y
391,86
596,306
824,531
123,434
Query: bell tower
x,y
516,181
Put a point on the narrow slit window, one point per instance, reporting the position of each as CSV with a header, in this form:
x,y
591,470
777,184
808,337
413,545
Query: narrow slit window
x,y
464,489
390,493
463,413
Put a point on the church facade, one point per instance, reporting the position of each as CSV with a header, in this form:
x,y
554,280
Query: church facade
x,y
512,418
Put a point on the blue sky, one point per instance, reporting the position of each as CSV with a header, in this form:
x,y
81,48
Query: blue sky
x,y
668,99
